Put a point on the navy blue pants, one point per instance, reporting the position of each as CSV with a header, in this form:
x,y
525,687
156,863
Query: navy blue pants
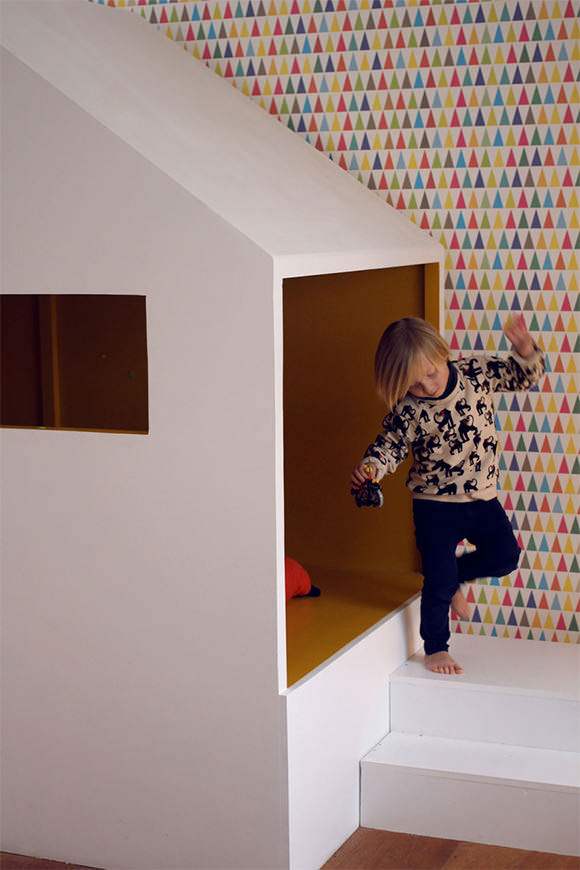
x,y
439,527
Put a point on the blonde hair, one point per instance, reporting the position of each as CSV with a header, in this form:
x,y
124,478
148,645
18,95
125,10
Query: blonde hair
x,y
402,344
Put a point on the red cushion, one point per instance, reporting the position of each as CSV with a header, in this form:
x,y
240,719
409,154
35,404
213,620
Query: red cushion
x,y
297,579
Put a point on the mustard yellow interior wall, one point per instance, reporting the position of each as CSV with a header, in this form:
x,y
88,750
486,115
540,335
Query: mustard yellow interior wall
x,y
332,324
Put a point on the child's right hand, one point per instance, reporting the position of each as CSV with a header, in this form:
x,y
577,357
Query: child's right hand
x,y
365,470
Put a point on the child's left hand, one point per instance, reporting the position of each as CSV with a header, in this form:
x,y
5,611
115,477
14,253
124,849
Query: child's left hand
x,y
517,332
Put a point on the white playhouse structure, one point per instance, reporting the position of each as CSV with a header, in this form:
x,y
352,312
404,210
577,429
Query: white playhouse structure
x,y
148,721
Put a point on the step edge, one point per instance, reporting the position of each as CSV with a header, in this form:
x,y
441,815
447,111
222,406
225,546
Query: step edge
x,y
444,773
567,756
488,688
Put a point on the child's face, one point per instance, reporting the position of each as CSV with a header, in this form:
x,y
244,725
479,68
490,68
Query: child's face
x,y
429,379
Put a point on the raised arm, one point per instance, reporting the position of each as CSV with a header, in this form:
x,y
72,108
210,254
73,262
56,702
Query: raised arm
x,y
523,368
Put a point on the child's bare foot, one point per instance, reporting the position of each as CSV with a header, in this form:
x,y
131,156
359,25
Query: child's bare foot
x,y
442,663
460,605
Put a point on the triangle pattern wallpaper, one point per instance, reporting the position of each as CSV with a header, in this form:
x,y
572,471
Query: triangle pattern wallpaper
x,y
465,116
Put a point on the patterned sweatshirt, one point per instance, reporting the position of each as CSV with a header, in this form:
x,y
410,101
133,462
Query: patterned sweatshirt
x,y
453,438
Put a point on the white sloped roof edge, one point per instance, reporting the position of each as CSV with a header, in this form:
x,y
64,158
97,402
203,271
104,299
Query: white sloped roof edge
x,y
259,176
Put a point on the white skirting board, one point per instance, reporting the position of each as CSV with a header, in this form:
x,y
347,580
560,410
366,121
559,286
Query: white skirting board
x,y
481,792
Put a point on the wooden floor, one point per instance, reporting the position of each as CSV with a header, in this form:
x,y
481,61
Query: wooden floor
x,y
381,850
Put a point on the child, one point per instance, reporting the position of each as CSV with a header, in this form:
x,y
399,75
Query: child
x,y
443,410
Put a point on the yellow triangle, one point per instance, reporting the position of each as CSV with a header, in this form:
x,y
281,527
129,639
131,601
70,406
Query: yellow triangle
x,y
266,30
377,106
364,63
233,31
511,139
491,182
556,75
491,79
553,347
509,263
449,40
330,147
335,86
570,509
335,26
376,46
568,602
284,68
571,366
244,33
365,165
491,120
556,120
548,623
449,204
307,69
490,344
572,263
329,46
499,59
473,264
511,100
267,90
567,587
272,71
511,37
497,284
550,524
261,50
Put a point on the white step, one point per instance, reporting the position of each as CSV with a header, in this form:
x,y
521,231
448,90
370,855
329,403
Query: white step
x,y
475,791
513,691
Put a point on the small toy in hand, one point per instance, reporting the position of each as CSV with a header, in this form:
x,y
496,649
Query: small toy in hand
x,y
369,494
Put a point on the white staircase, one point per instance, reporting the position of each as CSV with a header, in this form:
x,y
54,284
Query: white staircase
x,y
491,756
